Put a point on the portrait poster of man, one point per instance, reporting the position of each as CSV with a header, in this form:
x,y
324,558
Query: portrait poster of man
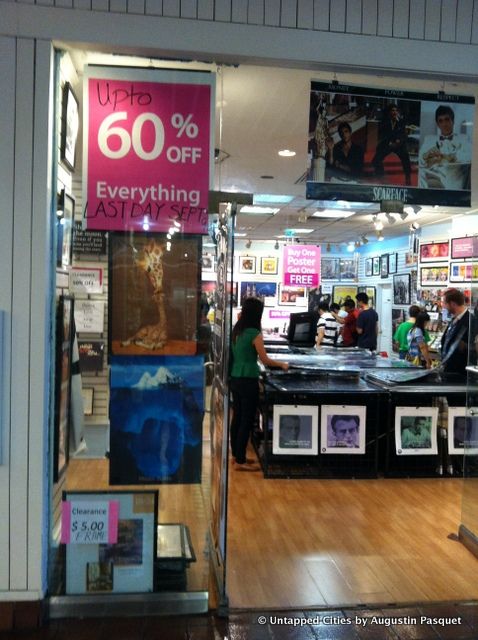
x,y
295,430
368,144
462,432
342,429
153,294
416,431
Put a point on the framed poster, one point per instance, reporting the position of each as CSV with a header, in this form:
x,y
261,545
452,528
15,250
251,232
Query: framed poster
x,y
462,432
156,411
269,266
348,269
264,290
247,264
376,266
434,251
86,280
368,267
329,268
343,292
291,296
342,429
70,122
384,266
87,394
64,343
462,248
392,263
461,271
64,222
207,262
126,566
153,294
434,276
401,288
295,430
416,431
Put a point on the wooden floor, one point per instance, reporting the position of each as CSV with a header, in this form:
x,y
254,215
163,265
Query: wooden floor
x,y
305,543
308,543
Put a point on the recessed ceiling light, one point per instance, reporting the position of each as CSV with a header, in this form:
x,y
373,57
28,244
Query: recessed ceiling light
x,y
255,209
270,198
240,235
333,213
293,231
267,177
286,153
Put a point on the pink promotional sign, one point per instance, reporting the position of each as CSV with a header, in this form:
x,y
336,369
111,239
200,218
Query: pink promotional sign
x,y
147,146
89,522
301,265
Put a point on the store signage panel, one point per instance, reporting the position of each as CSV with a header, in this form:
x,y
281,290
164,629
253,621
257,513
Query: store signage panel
x,y
464,247
89,523
147,149
86,280
88,242
369,144
301,265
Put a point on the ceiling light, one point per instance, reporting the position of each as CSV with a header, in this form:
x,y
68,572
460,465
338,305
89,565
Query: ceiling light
x,y
270,198
350,246
412,209
414,226
328,247
390,218
380,236
294,231
403,215
248,244
332,213
254,209
239,235
276,246
267,177
286,153
378,224
364,239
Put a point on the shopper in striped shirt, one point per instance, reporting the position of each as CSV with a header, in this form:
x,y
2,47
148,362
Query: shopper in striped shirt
x,y
327,327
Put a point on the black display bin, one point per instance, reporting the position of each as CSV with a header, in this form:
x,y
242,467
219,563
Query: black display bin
x,y
424,393
316,389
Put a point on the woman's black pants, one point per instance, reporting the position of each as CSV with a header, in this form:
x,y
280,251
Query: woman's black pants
x,y
245,398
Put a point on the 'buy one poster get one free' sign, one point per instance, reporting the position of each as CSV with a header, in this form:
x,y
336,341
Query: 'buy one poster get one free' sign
x,y
147,149
301,265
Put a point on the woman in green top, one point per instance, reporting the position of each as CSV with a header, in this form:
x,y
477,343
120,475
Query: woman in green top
x,y
247,345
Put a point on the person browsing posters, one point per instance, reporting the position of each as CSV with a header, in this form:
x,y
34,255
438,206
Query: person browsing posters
x,y
367,323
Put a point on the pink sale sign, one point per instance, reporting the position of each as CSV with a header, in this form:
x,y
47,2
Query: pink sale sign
x,y
148,154
301,265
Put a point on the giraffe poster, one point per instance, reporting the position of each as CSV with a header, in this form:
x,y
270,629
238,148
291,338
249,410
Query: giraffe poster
x,y
153,294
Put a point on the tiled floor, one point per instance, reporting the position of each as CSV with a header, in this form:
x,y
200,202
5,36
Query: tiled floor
x,y
447,621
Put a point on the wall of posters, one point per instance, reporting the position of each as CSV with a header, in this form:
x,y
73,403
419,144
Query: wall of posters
x,y
406,146
156,412
342,429
149,161
126,566
153,295
416,431
295,430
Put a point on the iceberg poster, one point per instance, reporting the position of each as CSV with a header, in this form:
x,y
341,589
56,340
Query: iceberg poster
x,y
156,414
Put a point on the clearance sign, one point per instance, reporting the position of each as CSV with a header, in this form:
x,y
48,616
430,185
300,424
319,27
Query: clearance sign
x,y
147,149
301,265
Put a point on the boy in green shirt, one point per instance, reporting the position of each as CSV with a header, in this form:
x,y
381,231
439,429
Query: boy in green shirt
x,y
400,341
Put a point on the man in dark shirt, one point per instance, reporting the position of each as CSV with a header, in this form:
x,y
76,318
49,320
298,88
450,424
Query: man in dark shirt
x,y
456,339
392,139
367,323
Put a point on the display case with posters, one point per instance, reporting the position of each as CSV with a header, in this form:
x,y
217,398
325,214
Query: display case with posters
x,y
295,430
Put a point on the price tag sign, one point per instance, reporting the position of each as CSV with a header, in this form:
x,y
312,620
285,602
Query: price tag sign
x,y
89,522
147,149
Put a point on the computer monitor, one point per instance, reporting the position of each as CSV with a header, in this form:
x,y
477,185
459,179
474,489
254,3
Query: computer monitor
x,y
302,329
